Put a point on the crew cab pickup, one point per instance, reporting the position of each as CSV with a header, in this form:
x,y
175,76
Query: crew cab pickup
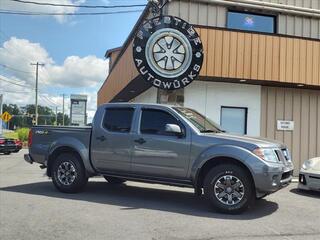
x,y
162,144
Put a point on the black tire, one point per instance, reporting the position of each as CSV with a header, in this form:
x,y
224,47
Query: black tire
x,y
73,182
7,153
231,174
114,180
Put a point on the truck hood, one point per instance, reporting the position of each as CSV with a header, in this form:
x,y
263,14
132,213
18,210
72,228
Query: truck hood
x,y
247,141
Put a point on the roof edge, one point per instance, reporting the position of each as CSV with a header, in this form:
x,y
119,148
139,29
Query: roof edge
x,y
128,40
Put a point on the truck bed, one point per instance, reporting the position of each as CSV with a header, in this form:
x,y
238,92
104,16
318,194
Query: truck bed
x,y
47,138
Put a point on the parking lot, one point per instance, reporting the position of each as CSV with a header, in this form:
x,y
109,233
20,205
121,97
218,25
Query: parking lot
x,y
31,208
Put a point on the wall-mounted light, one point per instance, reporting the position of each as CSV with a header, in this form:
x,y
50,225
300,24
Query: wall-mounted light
x,y
300,85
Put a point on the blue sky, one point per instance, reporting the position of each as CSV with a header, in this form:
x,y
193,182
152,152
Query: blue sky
x,y
79,35
72,48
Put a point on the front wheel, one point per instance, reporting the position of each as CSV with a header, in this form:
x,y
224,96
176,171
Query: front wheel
x,y
68,173
229,188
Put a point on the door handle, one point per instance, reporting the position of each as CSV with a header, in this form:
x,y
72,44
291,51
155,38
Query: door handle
x,y
140,141
101,138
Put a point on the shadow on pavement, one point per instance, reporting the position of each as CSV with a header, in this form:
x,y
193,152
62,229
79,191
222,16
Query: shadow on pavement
x,y
306,193
134,197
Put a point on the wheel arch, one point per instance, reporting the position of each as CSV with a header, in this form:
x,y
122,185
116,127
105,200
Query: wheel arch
x,y
219,160
57,152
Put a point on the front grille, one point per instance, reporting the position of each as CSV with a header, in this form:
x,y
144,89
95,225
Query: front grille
x,y
286,175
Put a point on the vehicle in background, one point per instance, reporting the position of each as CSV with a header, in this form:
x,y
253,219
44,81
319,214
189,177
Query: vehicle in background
x,y
309,177
162,144
9,145
18,145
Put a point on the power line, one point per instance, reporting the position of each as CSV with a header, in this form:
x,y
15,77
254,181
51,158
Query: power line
x,y
6,11
14,69
79,6
14,83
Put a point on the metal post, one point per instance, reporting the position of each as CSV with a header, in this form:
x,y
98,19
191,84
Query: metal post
x,y
36,89
62,109
56,116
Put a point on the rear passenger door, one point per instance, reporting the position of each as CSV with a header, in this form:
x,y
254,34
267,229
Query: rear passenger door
x,y
112,140
156,152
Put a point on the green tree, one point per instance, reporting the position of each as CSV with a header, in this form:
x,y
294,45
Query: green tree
x,y
66,119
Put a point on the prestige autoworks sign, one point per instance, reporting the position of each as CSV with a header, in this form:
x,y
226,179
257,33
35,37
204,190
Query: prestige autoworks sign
x,y
168,52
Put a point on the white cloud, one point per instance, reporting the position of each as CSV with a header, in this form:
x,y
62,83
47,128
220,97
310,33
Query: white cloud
x,y
11,5
79,75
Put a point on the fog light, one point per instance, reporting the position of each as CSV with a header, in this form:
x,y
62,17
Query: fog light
x,y
274,180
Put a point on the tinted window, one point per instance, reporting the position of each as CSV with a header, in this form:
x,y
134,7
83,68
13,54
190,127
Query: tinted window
x,y
251,22
234,120
118,119
154,122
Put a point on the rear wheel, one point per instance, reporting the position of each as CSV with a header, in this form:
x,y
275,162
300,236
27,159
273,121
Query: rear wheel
x,y
7,153
114,180
68,173
229,188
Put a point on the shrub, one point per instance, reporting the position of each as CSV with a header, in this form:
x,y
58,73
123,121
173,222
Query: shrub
x,y
23,134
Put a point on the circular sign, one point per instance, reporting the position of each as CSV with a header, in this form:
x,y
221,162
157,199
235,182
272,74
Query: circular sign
x,y
167,52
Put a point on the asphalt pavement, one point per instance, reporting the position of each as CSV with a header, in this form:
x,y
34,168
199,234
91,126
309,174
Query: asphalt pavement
x,y
31,208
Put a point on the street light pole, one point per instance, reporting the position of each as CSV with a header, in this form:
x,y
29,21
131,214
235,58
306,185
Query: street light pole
x,y
36,89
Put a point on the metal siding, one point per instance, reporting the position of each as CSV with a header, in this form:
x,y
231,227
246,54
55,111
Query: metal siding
x,y
300,106
216,15
261,57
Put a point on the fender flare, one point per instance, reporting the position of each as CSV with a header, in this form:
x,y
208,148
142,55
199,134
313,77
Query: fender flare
x,y
76,146
217,152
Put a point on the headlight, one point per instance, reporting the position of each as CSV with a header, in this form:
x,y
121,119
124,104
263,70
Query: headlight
x,y
308,164
266,154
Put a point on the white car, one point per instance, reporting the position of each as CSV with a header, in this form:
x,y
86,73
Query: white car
x,y
309,177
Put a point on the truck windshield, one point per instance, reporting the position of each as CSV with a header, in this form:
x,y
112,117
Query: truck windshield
x,y
202,123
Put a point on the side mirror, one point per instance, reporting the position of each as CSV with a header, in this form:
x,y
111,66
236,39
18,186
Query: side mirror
x,y
173,128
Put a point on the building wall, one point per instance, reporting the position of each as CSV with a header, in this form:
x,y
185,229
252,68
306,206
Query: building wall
x,y
215,15
300,106
209,97
149,96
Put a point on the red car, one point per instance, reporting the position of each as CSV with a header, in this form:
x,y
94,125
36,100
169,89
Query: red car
x,y
9,145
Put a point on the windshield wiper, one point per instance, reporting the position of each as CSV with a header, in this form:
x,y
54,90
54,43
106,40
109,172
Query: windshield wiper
x,y
209,131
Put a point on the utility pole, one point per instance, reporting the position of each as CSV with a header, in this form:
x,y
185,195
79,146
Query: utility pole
x,y
63,109
36,89
56,116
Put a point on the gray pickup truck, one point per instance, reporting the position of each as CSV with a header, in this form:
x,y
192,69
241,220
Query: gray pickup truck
x,y
162,144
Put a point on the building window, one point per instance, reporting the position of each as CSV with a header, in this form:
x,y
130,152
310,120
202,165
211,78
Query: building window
x,y
234,120
251,22
118,119
173,97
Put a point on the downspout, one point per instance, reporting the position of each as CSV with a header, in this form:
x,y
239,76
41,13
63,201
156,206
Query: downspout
x,y
274,7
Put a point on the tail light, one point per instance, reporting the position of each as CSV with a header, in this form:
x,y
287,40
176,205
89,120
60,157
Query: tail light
x,y
2,141
30,138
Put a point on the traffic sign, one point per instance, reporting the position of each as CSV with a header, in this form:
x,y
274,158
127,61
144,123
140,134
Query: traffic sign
x,y
6,117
